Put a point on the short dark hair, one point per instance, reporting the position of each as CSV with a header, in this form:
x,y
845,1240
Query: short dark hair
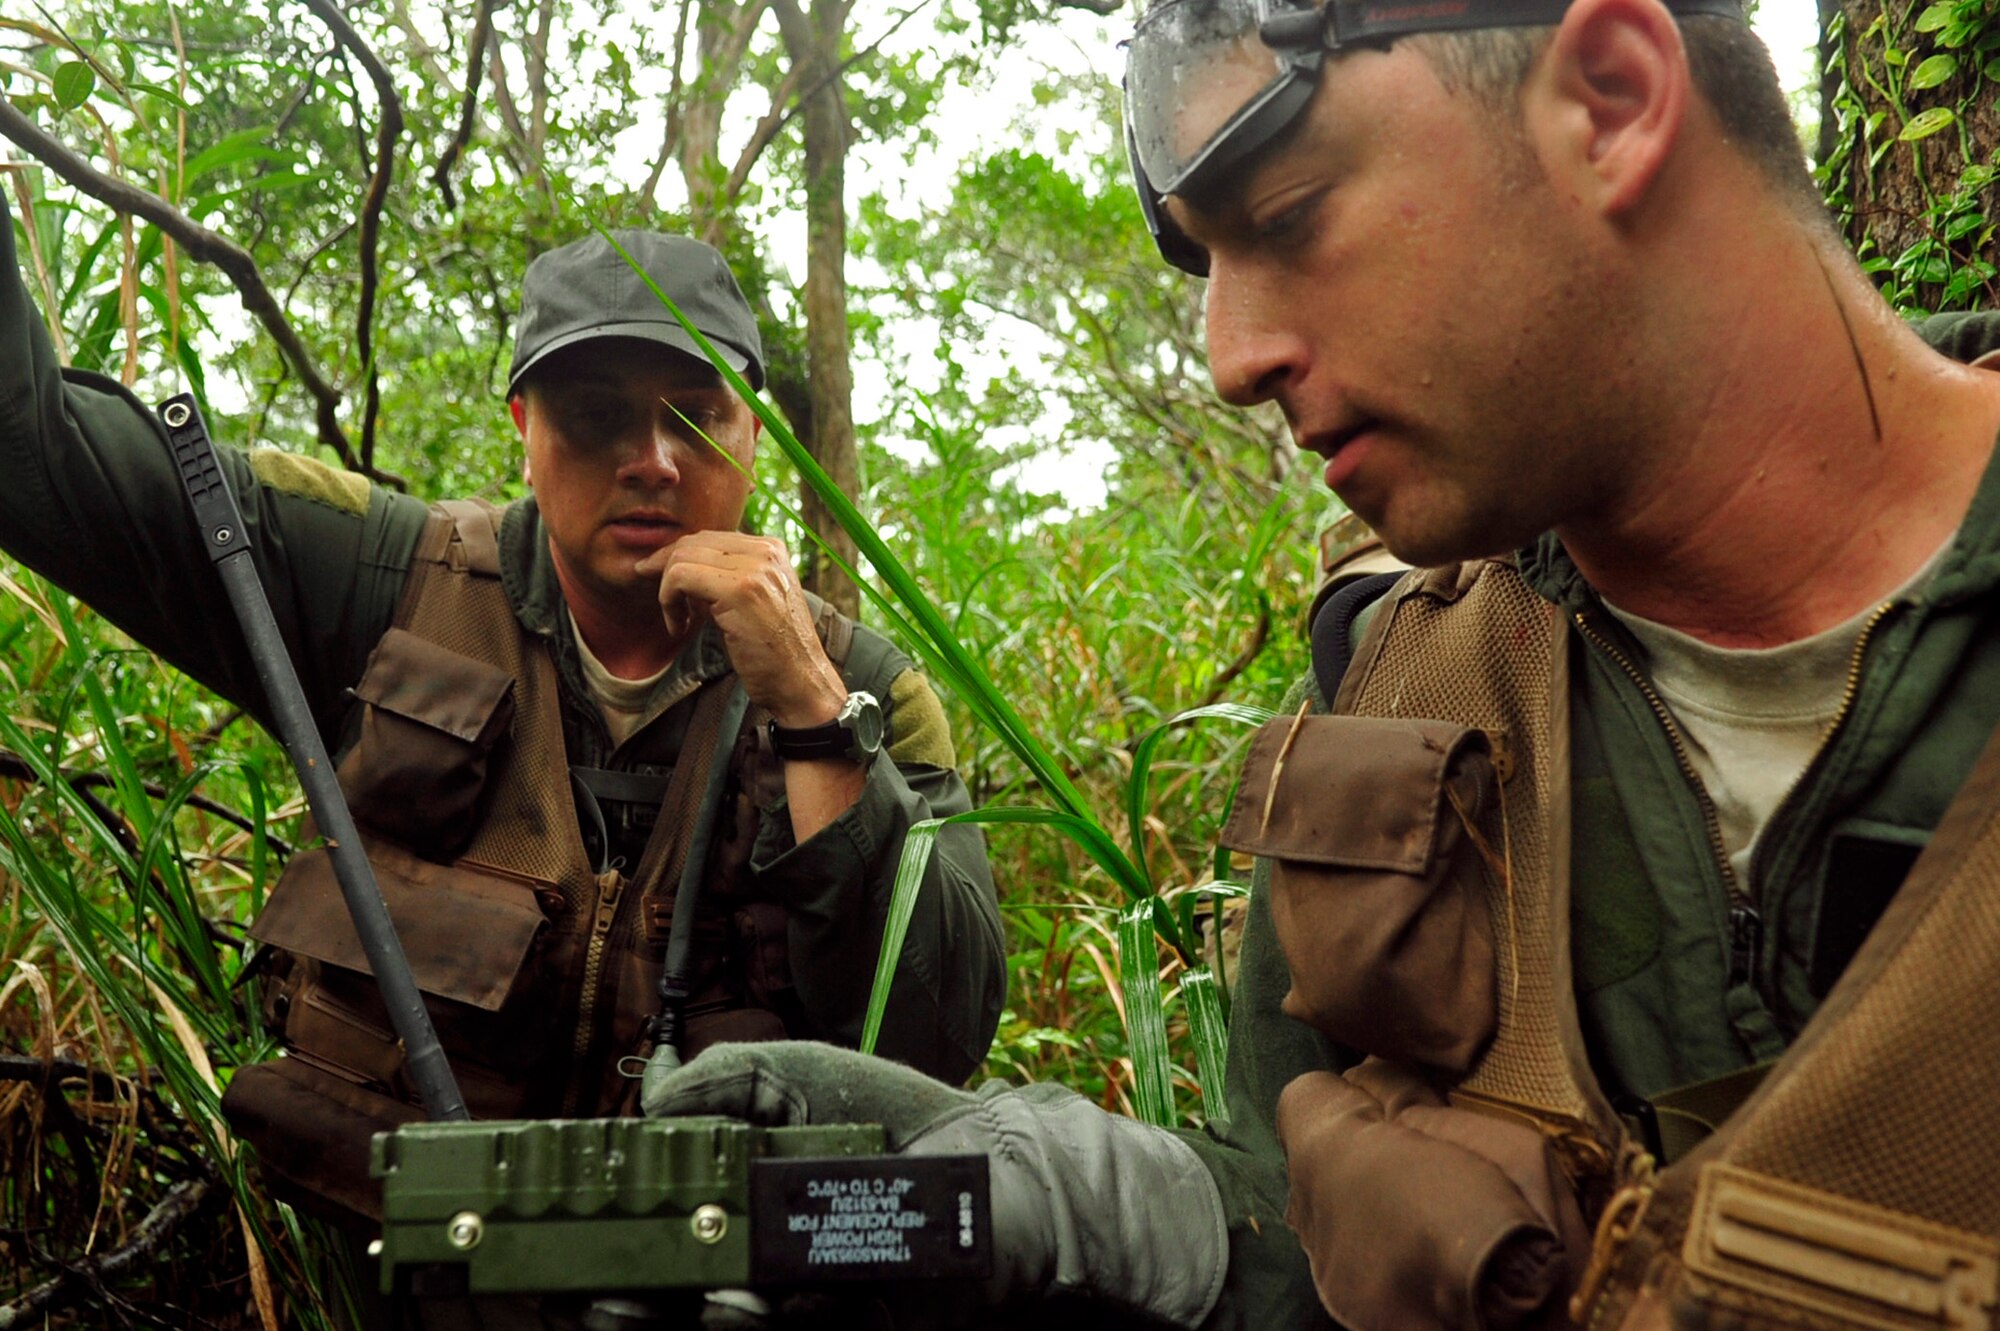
x,y
1731,69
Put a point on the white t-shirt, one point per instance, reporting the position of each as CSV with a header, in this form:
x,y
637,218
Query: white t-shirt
x,y
622,701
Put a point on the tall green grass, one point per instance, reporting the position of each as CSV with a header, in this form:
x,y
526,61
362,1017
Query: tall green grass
x,y
125,902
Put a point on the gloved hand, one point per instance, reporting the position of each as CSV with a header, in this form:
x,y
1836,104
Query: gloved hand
x,y
1415,1213
1084,1203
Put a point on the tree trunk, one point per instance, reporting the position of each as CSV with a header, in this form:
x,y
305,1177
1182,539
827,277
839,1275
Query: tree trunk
x,y
1905,114
814,42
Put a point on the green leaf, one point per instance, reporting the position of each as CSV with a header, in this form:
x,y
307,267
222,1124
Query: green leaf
x,y
74,82
1211,1042
168,95
1895,57
1927,123
1142,765
1964,226
244,145
1933,71
1145,1016
1936,16
918,843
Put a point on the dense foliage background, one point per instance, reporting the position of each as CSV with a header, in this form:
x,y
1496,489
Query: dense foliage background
x,y
316,216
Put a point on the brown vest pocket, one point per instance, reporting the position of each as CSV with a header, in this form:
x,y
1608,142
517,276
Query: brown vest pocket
x,y
432,720
1377,889
311,1130
472,937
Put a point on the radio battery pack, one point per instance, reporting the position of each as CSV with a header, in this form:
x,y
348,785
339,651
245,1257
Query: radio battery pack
x,y
635,1204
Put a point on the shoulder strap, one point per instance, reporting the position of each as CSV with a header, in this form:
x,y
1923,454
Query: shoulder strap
x,y
704,745
1333,628
476,524
836,631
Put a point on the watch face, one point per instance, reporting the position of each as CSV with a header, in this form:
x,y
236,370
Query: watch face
x,y
862,719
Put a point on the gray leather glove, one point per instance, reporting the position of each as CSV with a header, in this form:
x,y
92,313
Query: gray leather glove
x,y
1084,1203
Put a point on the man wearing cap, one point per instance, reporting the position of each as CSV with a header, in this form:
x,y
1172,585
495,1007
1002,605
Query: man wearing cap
x,y
1623,943
555,720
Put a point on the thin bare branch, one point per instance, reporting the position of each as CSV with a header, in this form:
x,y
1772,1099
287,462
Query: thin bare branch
x,y
468,107
387,131
736,44
784,106
525,163
86,1278
418,45
538,80
674,91
202,244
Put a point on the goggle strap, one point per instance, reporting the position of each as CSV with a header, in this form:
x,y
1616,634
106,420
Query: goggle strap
x,y
1351,21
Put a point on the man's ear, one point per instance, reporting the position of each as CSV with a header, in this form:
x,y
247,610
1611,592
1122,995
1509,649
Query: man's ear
x,y
519,411
1609,99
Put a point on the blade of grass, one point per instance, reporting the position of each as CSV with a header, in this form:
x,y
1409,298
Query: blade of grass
x,y
1142,766
918,843
1145,1016
1211,1041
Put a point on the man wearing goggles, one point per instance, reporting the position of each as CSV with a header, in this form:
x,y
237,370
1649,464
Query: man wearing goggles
x,y
1586,841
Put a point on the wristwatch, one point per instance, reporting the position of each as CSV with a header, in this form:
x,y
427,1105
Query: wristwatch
x,y
855,734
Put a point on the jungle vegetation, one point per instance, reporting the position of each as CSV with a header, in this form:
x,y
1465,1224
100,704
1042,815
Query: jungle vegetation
x,y
314,215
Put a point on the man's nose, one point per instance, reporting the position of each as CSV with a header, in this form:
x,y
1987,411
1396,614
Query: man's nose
x,y
1254,349
652,456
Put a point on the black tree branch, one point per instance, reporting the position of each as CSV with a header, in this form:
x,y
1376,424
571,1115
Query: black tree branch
x,y
468,108
202,244
387,132
88,1277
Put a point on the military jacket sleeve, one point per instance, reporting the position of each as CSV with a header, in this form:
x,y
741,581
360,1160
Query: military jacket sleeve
x,y
951,978
92,502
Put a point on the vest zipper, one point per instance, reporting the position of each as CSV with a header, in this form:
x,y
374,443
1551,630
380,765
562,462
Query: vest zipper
x,y
610,888
1746,926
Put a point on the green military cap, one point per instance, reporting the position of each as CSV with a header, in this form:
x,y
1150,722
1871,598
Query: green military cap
x,y
587,290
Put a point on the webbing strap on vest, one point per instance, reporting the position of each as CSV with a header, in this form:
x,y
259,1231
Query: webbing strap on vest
x,y
680,810
1671,1124
1860,1186
621,787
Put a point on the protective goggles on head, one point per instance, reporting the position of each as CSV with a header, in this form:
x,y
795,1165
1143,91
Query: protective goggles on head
x,y
1211,83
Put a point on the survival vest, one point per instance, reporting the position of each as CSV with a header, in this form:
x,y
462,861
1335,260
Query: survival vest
x,y
539,971
1859,1186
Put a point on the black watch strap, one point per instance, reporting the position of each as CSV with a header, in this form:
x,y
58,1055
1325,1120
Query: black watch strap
x,y
808,742
855,734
